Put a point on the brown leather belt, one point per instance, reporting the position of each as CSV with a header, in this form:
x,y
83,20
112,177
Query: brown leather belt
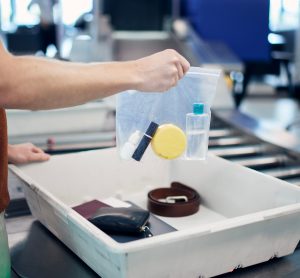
x,y
176,201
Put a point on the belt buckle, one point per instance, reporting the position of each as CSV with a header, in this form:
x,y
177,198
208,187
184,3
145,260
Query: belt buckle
x,y
175,199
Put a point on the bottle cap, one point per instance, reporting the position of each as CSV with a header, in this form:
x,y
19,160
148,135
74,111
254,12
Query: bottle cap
x,y
198,108
169,141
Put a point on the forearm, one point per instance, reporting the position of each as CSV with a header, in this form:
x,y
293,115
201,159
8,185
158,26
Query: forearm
x,y
38,83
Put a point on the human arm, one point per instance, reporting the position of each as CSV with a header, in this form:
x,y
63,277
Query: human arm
x,y
26,153
34,83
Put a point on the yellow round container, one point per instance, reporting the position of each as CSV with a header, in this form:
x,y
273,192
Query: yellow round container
x,y
169,141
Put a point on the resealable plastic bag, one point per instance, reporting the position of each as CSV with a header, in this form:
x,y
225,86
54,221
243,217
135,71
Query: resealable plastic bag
x,y
141,115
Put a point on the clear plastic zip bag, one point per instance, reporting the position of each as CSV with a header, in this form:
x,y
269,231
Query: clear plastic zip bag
x,y
173,124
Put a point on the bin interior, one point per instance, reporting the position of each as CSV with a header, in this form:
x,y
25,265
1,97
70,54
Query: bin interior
x,y
227,190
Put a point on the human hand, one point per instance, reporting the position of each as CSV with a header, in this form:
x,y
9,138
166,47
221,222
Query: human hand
x,y
26,153
161,71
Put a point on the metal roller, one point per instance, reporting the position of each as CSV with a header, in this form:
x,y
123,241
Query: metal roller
x,y
231,152
221,132
284,173
230,141
263,162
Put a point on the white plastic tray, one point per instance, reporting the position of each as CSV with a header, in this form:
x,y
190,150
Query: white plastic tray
x,y
245,218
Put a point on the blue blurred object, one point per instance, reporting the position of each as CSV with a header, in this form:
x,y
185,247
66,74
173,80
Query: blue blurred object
x,y
242,24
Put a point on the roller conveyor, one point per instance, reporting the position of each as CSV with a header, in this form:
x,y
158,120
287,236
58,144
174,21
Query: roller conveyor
x,y
240,139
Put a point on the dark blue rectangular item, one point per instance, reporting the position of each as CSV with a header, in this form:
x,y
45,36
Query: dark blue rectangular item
x,y
143,145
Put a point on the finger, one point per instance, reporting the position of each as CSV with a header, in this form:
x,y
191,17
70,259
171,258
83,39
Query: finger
x,y
35,149
34,157
184,63
175,78
179,70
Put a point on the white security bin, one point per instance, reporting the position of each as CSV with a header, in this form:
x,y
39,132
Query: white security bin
x,y
245,217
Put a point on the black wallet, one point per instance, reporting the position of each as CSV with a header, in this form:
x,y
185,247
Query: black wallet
x,y
122,220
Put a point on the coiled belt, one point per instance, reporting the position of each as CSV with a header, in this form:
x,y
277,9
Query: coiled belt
x,y
175,201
